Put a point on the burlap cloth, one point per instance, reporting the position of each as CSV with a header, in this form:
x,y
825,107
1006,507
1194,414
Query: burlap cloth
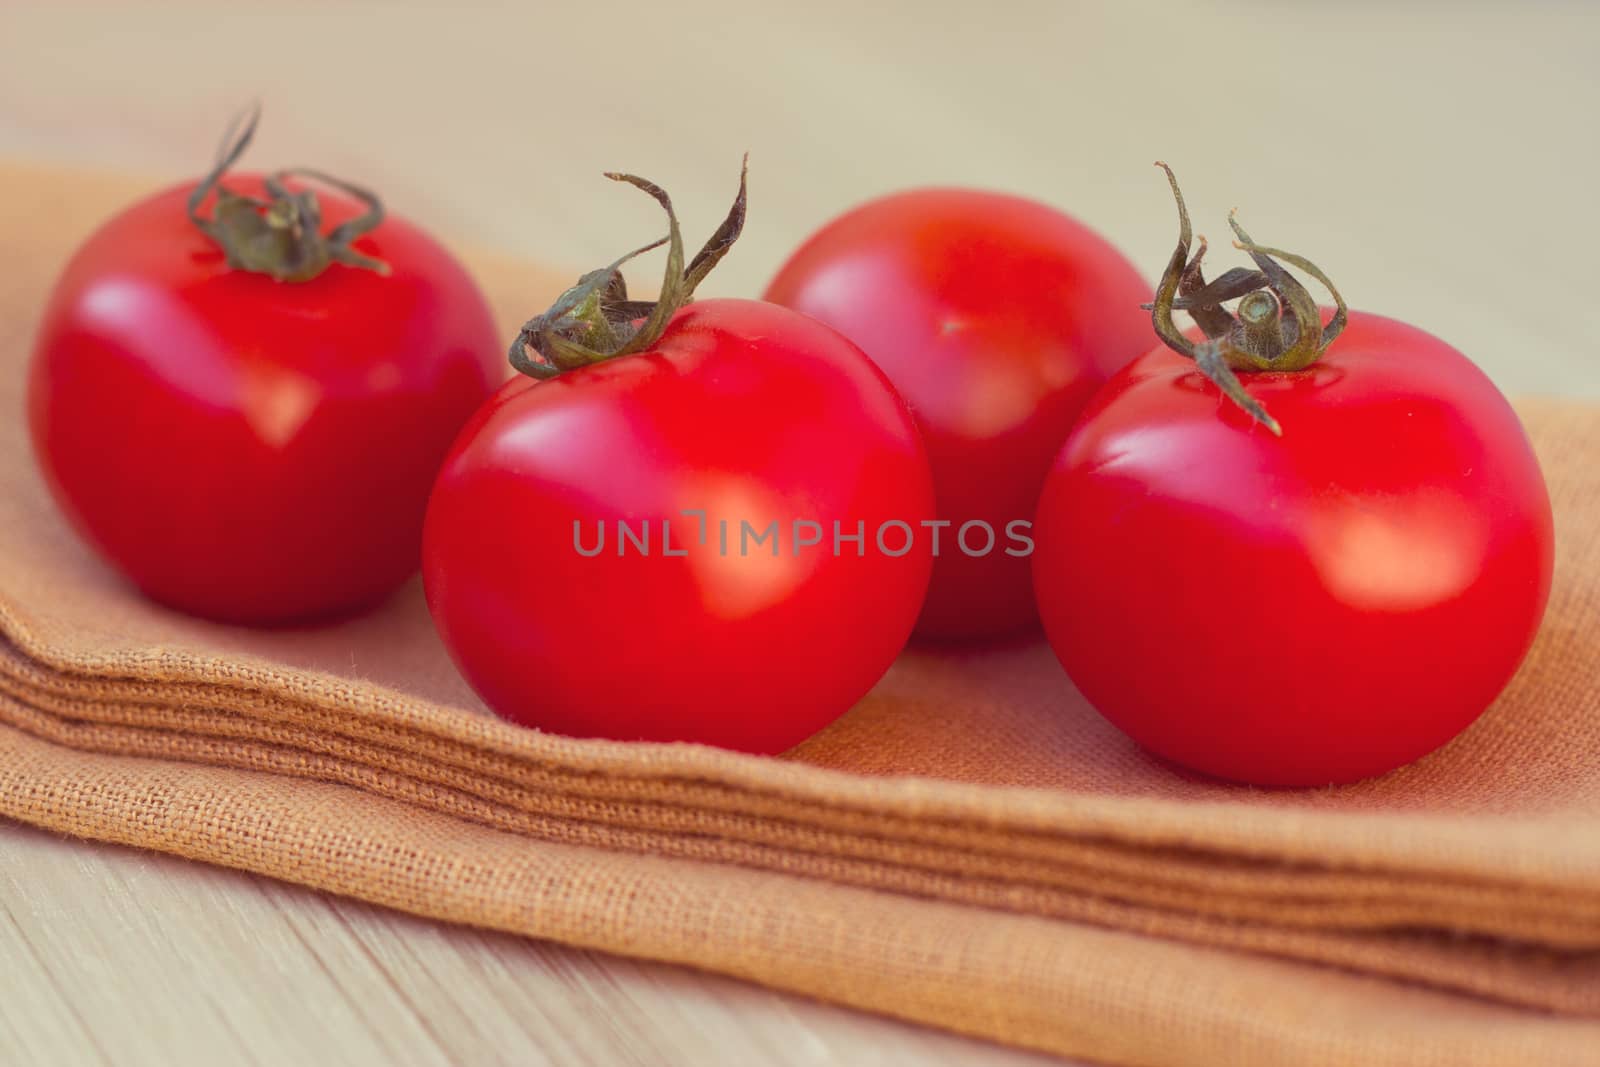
x,y
972,847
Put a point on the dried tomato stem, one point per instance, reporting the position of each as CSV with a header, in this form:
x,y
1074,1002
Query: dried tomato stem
x,y
595,320
1261,322
282,235
1258,336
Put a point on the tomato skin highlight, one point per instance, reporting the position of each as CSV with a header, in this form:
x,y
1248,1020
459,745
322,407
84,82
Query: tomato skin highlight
x,y
1301,611
248,450
996,318
746,411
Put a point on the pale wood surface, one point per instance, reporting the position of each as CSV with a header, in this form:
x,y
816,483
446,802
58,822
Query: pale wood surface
x,y
122,957
1438,161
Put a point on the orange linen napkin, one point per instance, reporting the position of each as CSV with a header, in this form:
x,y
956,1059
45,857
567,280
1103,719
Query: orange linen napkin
x,y
971,847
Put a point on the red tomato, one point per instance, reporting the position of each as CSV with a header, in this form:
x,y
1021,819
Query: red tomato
x,y
1303,610
745,412
996,318
246,449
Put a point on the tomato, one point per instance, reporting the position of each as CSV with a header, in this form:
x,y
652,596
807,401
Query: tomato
x,y
1300,610
727,440
742,413
247,449
996,318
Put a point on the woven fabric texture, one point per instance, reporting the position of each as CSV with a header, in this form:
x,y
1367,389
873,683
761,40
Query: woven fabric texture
x,y
971,847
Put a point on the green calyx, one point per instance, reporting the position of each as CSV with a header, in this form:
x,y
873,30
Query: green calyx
x,y
280,236
1256,336
595,321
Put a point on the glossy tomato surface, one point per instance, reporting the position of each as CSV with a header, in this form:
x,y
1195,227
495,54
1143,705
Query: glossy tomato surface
x,y
1306,610
996,318
251,450
742,413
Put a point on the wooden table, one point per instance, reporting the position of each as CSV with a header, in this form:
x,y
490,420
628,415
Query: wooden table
x,y
1437,162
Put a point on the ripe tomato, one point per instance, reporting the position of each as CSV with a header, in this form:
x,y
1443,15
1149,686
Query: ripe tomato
x,y
248,449
1306,609
728,434
996,318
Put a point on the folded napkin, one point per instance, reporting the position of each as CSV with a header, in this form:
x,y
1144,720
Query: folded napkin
x,y
971,847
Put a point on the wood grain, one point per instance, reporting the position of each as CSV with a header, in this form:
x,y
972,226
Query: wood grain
x,y
1436,163
122,957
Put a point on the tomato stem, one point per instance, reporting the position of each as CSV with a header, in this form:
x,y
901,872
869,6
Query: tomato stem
x,y
282,235
1260,317
594,320
1258,336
